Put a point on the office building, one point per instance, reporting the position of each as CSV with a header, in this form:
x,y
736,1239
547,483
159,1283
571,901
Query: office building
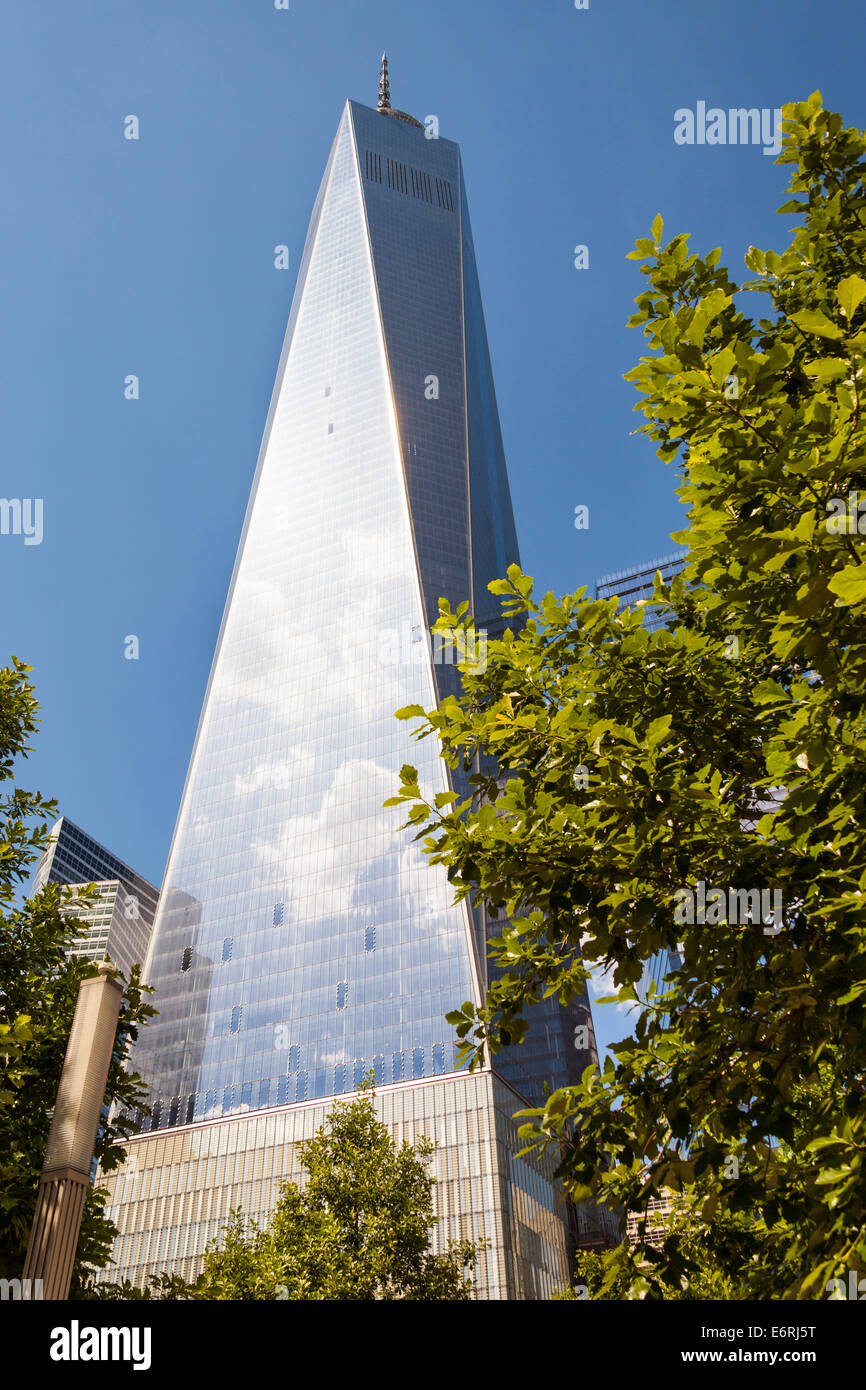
x,y
118,920
302,939
636,583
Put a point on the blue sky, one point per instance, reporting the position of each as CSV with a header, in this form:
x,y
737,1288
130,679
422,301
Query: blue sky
x,y
155,257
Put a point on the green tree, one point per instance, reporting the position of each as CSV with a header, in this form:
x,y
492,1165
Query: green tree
x,y
730,1255
358,1229
38,991
729,750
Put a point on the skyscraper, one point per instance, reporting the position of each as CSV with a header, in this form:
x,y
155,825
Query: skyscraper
x,y
119,919
302,940
637,582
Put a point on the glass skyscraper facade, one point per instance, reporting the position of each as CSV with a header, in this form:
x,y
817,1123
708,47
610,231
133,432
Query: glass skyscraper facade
x,y
302,940
653,980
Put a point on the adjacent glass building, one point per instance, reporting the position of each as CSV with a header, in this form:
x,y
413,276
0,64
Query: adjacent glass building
x,y
637,583
302,940
119,920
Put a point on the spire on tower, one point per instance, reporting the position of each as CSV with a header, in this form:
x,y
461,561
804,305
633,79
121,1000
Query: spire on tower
x,y
384,86
385,108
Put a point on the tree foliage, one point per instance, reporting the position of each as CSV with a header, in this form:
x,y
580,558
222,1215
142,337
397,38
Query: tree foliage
x,y
728,748
359,1228
38,992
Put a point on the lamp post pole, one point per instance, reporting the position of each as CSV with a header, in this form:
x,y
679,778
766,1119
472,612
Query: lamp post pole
x,y
72,1137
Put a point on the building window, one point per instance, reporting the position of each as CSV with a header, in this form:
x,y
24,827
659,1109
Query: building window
x,y
278,914
370,939
397,1067
342,994
235,1025
438,1057
186,959
228,942
294,1058
418,1062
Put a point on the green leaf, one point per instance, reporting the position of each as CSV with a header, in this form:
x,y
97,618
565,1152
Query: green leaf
x,y
410,712
816,321
850,585
827,368
658,730
442,798
849,293
768,691
721,366
855,992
